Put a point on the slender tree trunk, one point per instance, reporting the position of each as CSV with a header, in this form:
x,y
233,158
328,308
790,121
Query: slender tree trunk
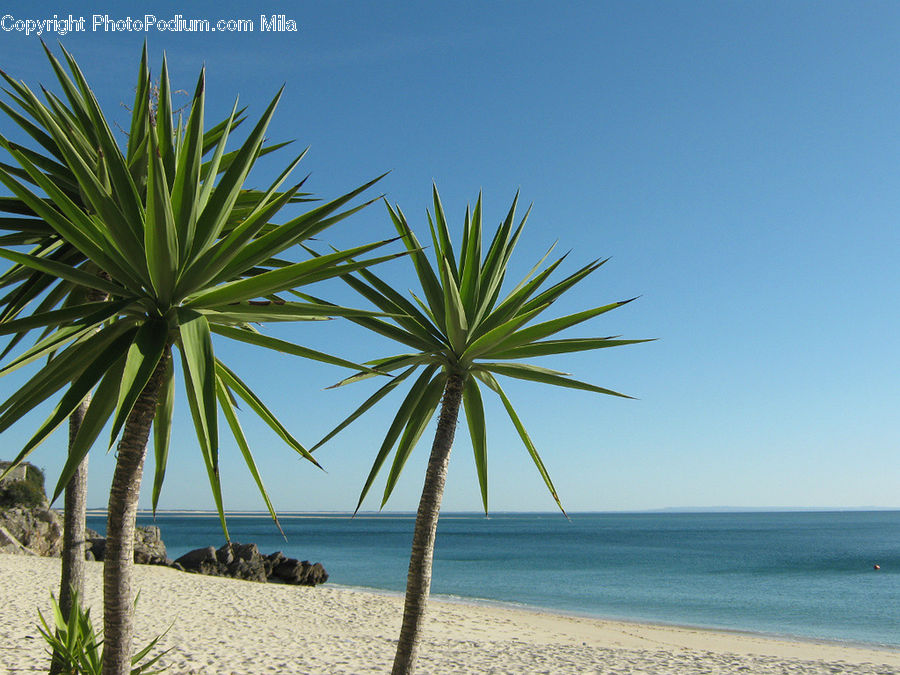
x,y
118,565
74,522
74,515
74,518
418,579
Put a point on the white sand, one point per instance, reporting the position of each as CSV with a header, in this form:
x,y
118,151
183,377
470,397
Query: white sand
x,y
228,626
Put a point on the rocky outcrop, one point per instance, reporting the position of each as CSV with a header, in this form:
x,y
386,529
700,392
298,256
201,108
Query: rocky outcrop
x,y
300,572
9,544
27,525
36,530
149,548
244,561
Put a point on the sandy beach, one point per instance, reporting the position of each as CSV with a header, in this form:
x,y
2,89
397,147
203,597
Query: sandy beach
x,y
229,626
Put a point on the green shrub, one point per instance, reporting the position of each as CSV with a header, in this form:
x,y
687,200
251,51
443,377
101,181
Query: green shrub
x,y
21,493
34,476
76,644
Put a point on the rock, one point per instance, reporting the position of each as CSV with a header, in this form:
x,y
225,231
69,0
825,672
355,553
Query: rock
x,y
210,567
225,555
9,544
244,561
315,575
149,548
272,561
240,562
303,573
90,536
37,529
191,560
251,570
96,546
247,552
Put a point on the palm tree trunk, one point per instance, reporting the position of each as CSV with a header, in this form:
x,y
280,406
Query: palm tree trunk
x,y
74,518
118,565
74,515
418,579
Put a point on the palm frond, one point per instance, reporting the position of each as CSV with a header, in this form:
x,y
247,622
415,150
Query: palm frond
x,y
460,327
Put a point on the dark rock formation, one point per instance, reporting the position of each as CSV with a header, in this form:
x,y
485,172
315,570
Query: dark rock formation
x,y
36,530
301,572
244,561
193,560
149,548
89,537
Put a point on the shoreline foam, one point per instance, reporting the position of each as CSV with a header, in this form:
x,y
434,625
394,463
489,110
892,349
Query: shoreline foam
x,y
230,626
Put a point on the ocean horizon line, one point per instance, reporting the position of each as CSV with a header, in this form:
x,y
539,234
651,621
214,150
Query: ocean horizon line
x,y
400,513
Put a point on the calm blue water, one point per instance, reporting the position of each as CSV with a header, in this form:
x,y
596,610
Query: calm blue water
x,y
801,574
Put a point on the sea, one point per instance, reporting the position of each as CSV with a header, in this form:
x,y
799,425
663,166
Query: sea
x,y
796,574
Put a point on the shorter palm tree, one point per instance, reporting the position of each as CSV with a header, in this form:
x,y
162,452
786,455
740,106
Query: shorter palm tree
x,y
461,334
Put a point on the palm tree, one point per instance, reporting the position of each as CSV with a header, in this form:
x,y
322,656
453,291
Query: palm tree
x,y
459,335
173,277
31,285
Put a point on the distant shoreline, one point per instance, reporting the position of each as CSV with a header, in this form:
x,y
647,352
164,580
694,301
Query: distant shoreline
x,y
240,513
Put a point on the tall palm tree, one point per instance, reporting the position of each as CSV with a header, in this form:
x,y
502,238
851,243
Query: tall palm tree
x,y
33,286
173,278
460,334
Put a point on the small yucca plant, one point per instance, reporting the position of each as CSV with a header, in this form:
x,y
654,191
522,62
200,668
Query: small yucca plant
x,y
76,648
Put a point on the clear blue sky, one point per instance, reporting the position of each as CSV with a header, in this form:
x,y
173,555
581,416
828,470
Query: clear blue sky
x,y
740,162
